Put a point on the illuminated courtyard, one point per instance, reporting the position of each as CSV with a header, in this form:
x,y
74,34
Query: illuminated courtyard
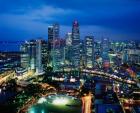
x,y
56,104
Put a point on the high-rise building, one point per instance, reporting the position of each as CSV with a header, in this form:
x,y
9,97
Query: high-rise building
x,y
56,31
32,56
39,68
82,54
68,49
50,38
55,51
89,50
131,56
68,39
76,45
24,57
58,55
45,60
53,37
32,53
105,49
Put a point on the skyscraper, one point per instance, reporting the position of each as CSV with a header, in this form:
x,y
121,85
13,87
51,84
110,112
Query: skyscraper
x,y
32,56
32,53
68,49
105,50
24,57
50,38
69,39
56,31
39,68
76,45
82,54
89,46
54,44
53,36
45,56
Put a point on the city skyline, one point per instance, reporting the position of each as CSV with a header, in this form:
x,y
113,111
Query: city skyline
x,y
70,56
23,20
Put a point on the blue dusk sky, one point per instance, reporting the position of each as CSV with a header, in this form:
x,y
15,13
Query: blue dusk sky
x,y
27,19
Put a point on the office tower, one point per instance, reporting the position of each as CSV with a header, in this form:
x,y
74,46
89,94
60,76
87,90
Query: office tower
x,y
28,56
39,69
68,49
76,45
82,54
89,46
131,55
24,57
50,38
56,51
53,33
45,60
105,49
56,31
53,36
58,55
97,54
105,44
125,55
31,56
32,53
68,39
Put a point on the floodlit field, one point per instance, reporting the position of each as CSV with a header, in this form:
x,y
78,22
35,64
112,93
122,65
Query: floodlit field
x,y
57,104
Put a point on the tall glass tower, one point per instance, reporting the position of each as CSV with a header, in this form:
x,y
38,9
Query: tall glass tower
x,y
76,45
89,46
24,56
53,37
50,37
32,53
105,49
38,57
68,48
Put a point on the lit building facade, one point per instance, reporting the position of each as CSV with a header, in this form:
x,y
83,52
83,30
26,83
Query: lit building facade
x,y
131,55
50,37
24,57
32,54
31,58
105,50
56,31
76,45
68,49
45,56
39,68
89,50
53,45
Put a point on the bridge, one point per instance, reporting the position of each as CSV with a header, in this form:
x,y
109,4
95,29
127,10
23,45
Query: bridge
x,y
104,74
108,75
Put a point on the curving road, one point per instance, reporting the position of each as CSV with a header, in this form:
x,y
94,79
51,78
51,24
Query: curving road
x,y
112,76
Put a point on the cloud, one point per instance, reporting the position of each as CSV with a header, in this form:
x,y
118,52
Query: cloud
x,y
106,16
49,13
42,14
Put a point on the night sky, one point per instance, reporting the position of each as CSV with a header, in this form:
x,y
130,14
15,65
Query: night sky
x,y
28,19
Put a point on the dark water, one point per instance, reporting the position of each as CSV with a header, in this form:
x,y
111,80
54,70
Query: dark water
x,y
4,96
